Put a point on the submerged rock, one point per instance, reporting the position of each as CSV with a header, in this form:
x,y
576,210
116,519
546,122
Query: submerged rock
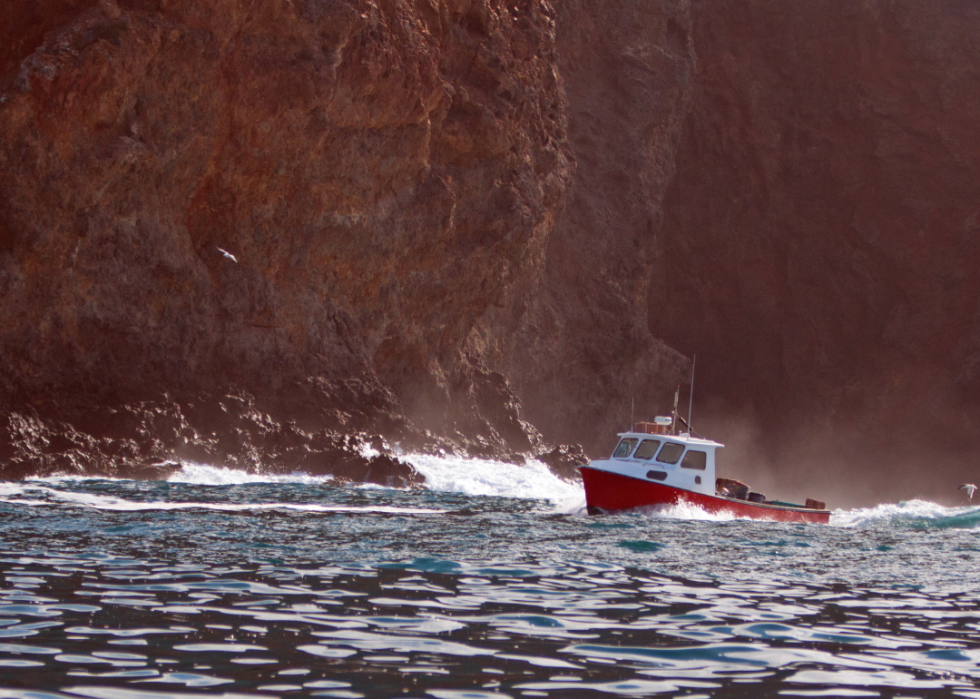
x,y
564,461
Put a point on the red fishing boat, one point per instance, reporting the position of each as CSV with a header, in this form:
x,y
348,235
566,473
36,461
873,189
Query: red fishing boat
x,y
652,466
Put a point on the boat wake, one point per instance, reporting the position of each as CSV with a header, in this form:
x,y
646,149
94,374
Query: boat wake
x,y
33,494
686,510
919,514
202,474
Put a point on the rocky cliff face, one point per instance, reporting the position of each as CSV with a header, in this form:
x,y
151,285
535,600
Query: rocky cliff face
x,y
258,232
820,249
313,203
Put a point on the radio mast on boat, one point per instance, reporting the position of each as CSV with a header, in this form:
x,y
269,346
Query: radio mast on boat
x,y
690,401
673,421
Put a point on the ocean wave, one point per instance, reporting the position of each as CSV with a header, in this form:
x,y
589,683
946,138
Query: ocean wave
x,y
449,474
468,476
203,474
65,478
912,513
26,495
192,473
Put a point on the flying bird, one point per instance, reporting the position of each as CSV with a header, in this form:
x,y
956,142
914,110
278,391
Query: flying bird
x,y
969,488
228,255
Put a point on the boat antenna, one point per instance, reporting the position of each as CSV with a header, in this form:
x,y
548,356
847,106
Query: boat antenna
x,y
690,401
673,422
632,411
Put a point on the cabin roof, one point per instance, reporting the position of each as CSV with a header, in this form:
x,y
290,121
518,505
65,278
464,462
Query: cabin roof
x,y
679,438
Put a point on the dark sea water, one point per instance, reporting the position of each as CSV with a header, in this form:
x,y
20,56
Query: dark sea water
x,y
493,583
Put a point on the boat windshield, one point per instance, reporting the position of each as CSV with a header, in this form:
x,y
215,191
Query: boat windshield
x,y
671,453
625,448
647,448
697,460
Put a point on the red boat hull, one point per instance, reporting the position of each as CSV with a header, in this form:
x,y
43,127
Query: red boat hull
x,y
611,491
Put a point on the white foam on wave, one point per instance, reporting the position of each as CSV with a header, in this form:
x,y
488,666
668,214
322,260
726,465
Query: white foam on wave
x,y
458,474
61,478
687,510
203,474
909,511
14,494
453,474
199,474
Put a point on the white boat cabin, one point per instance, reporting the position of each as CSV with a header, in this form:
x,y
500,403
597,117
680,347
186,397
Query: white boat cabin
x,y
651,453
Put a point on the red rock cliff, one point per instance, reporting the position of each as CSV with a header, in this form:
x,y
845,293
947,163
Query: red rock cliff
x,y
304,220
311,202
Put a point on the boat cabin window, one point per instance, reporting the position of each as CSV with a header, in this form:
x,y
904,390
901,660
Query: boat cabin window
x,y
671,453
625,448
647,448
695,459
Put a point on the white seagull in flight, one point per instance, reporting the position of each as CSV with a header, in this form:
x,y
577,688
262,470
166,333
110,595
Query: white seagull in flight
x,y
228,255
969,488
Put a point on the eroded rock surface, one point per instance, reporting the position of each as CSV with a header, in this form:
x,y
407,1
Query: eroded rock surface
x,y
223,196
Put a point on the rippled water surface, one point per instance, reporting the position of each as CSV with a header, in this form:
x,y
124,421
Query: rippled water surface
x,y
494,583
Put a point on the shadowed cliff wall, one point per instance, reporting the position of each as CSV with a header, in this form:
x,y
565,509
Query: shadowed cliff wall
x,y
820,250
585,351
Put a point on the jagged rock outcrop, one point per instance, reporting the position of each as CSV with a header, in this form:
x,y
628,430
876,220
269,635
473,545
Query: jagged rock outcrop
x,y
278,198
819,250
152,440
564,461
